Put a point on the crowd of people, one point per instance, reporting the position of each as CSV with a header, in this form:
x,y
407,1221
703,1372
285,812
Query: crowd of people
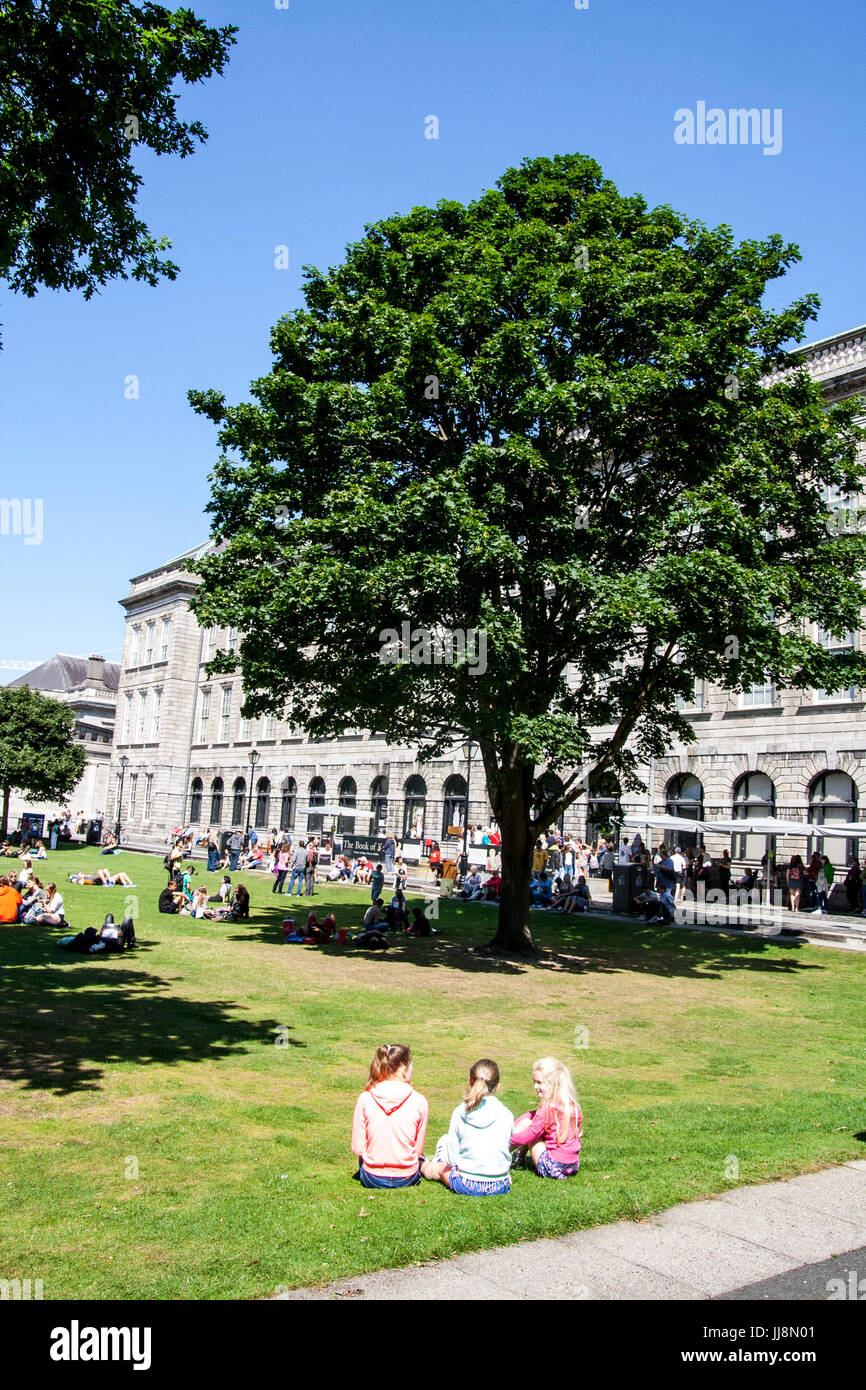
x,y
484,1142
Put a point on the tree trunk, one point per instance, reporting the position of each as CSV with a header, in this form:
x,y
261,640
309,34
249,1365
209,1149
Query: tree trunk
x,y
518,841
5,828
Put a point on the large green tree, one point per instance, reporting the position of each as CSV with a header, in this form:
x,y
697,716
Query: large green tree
x,y
82,82
38,754
546,416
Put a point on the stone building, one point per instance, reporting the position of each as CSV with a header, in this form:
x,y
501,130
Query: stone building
x,y
192,758
89,686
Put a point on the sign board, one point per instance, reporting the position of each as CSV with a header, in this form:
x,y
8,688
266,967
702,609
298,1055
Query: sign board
x,y
456,831
362,844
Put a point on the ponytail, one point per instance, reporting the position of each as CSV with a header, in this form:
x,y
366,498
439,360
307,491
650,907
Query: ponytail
x,y
483,1080
386,1061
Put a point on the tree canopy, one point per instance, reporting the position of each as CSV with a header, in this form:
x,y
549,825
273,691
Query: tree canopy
x,y
38,755
81,83
544,416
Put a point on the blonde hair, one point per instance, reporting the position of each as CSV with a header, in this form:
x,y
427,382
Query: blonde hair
x,y
560,1096
386,1061
483,1080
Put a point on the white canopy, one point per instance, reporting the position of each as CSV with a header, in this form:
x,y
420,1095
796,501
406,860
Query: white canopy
x,y
653,822
841,830
333,811
761,825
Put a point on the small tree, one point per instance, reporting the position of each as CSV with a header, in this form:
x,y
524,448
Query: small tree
x,y
81,84
38,755
545,418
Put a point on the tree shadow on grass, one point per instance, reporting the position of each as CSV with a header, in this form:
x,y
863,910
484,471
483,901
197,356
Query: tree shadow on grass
x,y
61,1029
575,946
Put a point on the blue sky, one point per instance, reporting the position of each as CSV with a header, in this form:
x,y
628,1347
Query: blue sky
x,y
317,128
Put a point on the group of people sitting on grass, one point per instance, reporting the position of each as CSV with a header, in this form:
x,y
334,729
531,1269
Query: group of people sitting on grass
x,y
23,899
378,921
101,878
226,905
484,1141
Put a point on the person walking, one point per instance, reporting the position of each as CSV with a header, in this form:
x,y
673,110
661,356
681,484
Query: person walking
x,y
389,851
213,853
235,846
299,868
824,885
281,868
310,869
796,881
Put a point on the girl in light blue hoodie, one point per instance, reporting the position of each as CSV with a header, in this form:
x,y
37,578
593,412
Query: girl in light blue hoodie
x,y
474,1157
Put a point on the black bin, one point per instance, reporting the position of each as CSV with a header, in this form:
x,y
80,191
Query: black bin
x,y
628,881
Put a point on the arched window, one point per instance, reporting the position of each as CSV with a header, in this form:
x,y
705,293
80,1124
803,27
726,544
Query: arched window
x,y
684,797
455,810
263,802
195,801
754,799
216,801
551,787
288,804
348,797
414,807
317,798
379,806
603,810
239,801
833,798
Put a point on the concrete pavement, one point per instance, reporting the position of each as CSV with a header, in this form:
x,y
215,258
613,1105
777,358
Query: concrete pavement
x,y
700,1250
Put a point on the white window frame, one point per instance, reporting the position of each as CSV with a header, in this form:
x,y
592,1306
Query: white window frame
x,y
149,644
749,700
135,652
204,715
133,793
127,717
142,716
225,714
155,714
166,633
835,646
148,796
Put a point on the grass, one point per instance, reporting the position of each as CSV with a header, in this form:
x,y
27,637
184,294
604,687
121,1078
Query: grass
x,y
175,1123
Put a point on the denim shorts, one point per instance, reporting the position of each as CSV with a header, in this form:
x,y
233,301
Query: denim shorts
x,y
548,1167
369,1179
478,1187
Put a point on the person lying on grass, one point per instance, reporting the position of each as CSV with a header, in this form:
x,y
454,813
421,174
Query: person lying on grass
x,y
102,878
474,1157
320,931
390,1122
550,1136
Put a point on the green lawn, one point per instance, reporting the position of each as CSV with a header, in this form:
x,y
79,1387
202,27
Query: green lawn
x,y
175,1123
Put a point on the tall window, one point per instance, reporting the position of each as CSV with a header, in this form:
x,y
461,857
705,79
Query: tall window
x,y
414,808
697,698
238,801
154,717
127,718
136,646
216,801
142,715
288,804
233,639
195,801
133,793
754,799
270,726
151,638
836,646
685,798
603,809
348,798
225,714
244,726
263,801
833,800
203,716
759,695
379,805
148,795
163,646
317,798
210,644
454,809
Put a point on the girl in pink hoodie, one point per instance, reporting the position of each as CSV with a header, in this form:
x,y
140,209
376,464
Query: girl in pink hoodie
x,y
550,1136
390,1122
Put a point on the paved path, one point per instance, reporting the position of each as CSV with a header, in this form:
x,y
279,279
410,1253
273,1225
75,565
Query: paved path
x,y
762,1235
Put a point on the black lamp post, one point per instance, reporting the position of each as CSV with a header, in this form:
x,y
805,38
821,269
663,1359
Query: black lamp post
x,y
124,764
253,756
464,857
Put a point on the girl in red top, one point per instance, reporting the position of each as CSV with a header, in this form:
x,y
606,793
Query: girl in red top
x,y
552,1133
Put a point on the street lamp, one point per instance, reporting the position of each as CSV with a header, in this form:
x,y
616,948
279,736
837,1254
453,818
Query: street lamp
x,y
124,764
253,757
464,857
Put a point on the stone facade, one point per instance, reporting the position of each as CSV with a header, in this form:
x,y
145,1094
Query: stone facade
x,y
182,734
